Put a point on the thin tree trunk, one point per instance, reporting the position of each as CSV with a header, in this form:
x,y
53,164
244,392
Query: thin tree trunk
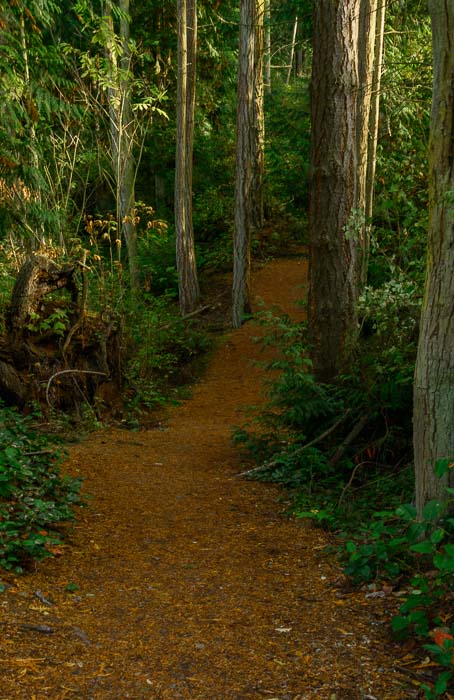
x,y
122,137
248,215
259,121
127,161
366,57
185,249
292,50
333,249
375,109
267,51
434,375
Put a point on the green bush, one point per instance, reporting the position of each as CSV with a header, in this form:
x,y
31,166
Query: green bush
x,y
162,352
34,497
419,554
306,434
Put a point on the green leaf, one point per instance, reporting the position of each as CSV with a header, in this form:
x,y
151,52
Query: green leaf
x,y
442,467
399,623
441,686
422,547
432,510
407,511
437,536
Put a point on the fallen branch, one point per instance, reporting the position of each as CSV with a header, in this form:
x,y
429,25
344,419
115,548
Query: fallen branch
x,y
70,371
354,432
319,438
200,310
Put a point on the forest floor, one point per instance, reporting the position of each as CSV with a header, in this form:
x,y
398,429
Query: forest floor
x,y
182,580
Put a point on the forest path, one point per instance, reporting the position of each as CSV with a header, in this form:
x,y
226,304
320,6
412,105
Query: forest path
x,y
191,582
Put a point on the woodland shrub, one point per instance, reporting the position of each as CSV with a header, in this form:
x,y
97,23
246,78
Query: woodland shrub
x,y
163,351
355,435
418,555
35,499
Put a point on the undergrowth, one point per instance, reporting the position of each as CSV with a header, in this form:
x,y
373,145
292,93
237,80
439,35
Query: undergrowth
x,y
35,499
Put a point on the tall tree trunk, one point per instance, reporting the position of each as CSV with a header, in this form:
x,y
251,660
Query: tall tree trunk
x,y
259,120
366,59
185,249
267,48
248,215
375,109
292,50
434,375
122,136
334,283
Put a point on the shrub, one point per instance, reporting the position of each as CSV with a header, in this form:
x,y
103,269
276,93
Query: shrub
x,y
34,497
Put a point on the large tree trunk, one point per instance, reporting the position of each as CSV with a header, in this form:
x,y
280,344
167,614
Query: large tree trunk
x,y
185,249
248,216
434,374
334,220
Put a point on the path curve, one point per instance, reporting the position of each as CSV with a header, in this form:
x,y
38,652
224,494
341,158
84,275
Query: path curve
x,y
192,583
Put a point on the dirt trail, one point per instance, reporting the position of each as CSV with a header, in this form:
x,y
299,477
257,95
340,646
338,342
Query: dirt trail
x,y
191,582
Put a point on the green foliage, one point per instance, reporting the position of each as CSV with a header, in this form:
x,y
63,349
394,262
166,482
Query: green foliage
x,y
287,153
34,497
163,350
401,191
397,546
324,440
56,323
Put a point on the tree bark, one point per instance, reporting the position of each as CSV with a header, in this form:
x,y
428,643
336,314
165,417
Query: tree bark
x,y
375,109
185,249
334,282
248,216
292,50
434,375
122,137
366,60
267,47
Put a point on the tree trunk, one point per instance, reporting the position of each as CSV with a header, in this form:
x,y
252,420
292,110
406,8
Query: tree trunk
x,y
434,375
267,48
248,216
375,109
122,137
334,283
259,121
185,249
292,50
366,59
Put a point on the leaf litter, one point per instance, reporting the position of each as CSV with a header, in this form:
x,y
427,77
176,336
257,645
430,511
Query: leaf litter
x,y
183,581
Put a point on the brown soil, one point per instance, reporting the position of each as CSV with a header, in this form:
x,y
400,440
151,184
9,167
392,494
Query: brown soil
x,y
191,582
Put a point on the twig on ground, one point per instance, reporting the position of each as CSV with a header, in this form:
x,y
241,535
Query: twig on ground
x,y
319,438
200,310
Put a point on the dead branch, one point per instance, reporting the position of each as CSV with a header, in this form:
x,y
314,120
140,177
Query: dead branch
x,y
350,481
70,371
319,438
200,310
354,432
